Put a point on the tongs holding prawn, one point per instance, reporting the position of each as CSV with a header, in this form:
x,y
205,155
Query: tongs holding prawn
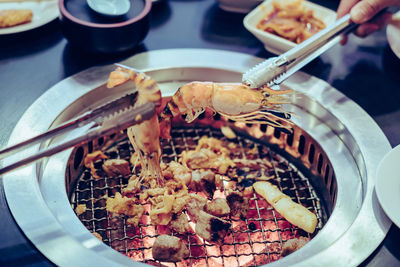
x,y
275,70
104,120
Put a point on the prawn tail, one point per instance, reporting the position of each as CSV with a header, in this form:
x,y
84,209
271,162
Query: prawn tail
x,y
148,89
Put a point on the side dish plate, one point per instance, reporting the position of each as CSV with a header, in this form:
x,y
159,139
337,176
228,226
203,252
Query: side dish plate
x,y
44,11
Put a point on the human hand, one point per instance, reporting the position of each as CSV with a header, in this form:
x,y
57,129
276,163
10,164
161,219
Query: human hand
x,y
363,12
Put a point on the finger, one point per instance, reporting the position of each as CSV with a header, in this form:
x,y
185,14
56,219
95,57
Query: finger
x,y
374,25
345,7
367,9
344,39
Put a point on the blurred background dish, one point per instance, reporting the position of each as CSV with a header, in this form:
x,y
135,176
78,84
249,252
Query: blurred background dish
x,y
393,34
111,8
91,32
238,6
387,185
272,42
43,12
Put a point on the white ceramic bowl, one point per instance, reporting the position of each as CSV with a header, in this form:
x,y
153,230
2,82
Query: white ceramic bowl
x,y
238,6
272,42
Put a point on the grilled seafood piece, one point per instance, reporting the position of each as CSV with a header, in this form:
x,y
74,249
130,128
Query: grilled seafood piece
x,y
238,204
217,207
203,181
208,227
144,136
116,167
235,101
179,223
177,171
127,206
91,159
169,248
293,212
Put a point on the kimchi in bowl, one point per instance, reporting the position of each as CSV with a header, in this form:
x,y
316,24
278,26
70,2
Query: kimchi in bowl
x,y
281,24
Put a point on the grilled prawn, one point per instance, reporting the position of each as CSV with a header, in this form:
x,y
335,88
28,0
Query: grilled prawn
x,y
144,136
234,101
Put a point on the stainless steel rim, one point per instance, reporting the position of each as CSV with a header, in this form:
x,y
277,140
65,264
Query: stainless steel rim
x,y
357,146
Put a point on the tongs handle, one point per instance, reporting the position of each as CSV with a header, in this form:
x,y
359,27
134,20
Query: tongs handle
x,y
111,124
94,115
277,69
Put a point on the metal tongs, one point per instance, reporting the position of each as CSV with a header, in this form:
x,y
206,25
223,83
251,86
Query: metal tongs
x,y
275,70
107,119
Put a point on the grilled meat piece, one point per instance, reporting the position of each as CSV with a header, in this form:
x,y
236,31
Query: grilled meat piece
x,y
211,228
205,158
80,209
179,223
116,167
217,207
178,172
169,248
238,204
208,227
294,244
203,181
127,206
91,161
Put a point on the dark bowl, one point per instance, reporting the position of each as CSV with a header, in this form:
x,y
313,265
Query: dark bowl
x,y
90,32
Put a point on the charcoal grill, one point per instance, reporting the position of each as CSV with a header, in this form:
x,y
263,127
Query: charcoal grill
x,y
255,241
328,165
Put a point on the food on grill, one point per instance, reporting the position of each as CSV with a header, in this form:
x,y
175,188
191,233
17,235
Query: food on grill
x,y
161,209
175,170
228,132
295,213
203,181
127,206
217,207
144,136
234,101
116,167
208,227
80,209
291,21
181,206
209,154
238,204
294,244
91,159
179,223
169,248
14,17
97,235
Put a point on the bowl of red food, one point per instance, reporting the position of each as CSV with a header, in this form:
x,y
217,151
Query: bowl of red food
x,y
91,32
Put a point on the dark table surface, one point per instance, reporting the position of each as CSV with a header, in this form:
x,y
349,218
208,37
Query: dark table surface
x,y
31,62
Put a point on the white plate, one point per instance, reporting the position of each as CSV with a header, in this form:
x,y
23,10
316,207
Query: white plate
x,y
393,34
387,185
274,43
43,12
